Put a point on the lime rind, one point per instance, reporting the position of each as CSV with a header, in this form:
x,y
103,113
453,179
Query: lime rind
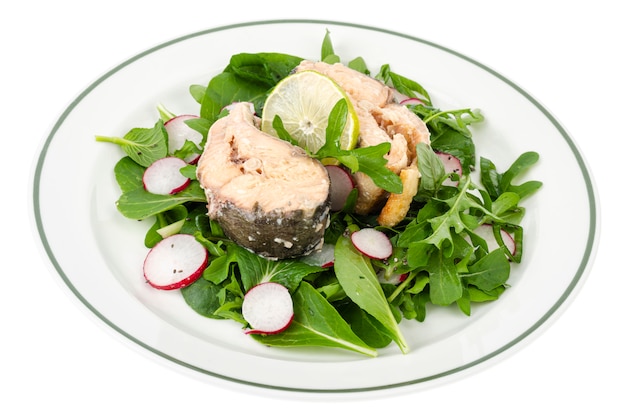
x,y
304,101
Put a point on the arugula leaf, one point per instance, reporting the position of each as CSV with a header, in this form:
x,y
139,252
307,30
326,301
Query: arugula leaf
x,y
457,119
489,272
496,183
445,285
403,85
142,145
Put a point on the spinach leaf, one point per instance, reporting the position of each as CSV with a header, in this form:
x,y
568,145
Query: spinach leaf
x,y
206,298
316,323
356,275
247,78
364,325
256,269
142,145
138,204
166,223
263,69
227,88
328,52
128,174
220,267
431,169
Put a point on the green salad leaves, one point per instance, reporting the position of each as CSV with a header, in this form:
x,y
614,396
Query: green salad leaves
x,y
441,254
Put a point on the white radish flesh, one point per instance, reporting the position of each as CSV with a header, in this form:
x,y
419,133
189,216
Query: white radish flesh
x,y
341,184
485,231
175,262
268,308
325,257
178,132
372,243
451,164
393,279
164,177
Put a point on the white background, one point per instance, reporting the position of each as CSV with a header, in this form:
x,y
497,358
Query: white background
x,y
53,357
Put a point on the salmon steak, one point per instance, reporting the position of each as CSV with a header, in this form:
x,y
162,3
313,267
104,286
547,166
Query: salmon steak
x,y
381,120
268,195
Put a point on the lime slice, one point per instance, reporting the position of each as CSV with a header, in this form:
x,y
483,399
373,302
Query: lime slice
x,y
303,102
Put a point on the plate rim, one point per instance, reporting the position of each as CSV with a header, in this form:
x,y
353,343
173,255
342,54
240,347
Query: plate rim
x,y
584,266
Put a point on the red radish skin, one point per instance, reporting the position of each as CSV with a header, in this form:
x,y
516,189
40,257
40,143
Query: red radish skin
x,y
178,132
325,257
451,164
411,101
394,279
372,243
164,177
268,308
403,99
175,262
341,184
485,231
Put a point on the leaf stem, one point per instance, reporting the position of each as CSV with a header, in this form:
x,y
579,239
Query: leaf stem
x,y
114,140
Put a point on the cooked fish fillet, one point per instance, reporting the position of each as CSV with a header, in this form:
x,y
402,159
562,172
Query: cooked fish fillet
x,y
267,195
380,120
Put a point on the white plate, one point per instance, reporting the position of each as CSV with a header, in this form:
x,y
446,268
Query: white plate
x,y
98,253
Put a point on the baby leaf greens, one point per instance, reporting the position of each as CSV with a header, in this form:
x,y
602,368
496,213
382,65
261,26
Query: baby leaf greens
x,y
358,279
456,247
142,145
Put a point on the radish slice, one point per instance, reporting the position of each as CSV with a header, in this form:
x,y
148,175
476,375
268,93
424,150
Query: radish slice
x,y
164,177
485,231
175,262
451,164
178,132
341,184
394,279
268,308
372,243
325,257
403,99
411,101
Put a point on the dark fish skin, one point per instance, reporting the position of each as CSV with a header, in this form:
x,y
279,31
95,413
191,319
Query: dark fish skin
x,y
267,195
275,235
